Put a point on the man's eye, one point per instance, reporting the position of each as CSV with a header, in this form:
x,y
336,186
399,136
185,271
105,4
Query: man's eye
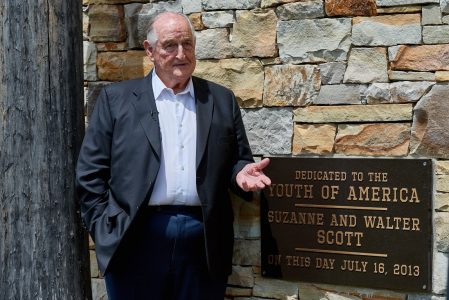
x,y
170,47
187,46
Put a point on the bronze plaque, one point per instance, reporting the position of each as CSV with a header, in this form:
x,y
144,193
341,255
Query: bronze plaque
x,y
350,221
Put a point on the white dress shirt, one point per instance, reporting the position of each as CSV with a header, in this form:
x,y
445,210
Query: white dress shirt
x,y
176,181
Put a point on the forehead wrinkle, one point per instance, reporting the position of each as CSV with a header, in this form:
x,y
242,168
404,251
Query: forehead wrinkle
x,y
177,37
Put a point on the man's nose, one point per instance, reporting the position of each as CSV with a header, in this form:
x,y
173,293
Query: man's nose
x,y
180,54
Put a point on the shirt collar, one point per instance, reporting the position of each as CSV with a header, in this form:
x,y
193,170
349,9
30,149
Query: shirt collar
x,y
159,86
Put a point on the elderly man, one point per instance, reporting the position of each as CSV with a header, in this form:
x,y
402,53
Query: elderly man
x,y
154,170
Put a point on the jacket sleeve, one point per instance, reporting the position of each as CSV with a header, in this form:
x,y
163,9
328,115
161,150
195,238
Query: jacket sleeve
x,y
93,167
244,154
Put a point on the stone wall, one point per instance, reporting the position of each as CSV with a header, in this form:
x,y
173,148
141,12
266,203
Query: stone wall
x,y
329,78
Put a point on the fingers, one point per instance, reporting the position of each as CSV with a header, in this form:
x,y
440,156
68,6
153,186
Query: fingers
x,y
256,184
263,163
245,186
266,180
251,178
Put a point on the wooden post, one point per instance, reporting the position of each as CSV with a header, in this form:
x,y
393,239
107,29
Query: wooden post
x,y
43,252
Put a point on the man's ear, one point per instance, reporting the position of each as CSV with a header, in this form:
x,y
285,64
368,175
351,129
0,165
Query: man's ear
x,y
148,49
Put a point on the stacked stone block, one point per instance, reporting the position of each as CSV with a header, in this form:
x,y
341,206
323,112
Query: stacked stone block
x,y
318,77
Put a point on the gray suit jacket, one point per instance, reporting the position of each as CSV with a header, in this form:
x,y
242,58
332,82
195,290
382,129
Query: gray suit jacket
x,y
120,158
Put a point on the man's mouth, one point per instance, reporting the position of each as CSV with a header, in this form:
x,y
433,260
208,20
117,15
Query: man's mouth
x,y
180,64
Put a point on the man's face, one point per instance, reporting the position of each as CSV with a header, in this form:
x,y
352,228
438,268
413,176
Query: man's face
x,y
173,54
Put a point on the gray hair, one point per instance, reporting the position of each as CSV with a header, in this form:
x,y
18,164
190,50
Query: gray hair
x,y
151,34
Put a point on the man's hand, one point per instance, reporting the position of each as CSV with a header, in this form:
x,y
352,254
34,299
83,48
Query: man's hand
x,y
252,178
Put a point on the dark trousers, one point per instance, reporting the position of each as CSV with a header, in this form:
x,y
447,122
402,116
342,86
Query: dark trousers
x,y
164,259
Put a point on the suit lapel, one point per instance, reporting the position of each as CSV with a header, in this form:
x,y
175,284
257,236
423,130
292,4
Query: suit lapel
x,y
204,110
146,112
